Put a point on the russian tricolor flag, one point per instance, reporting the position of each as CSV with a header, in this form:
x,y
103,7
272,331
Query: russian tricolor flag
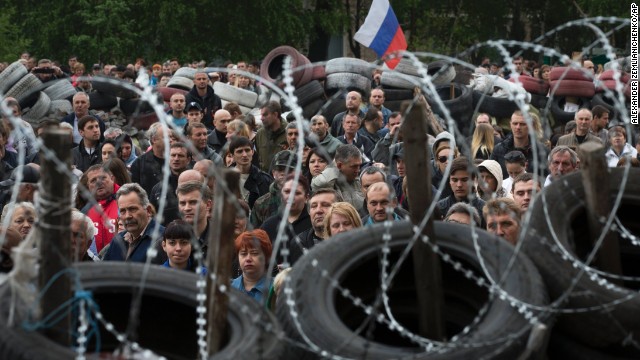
x,y
381,32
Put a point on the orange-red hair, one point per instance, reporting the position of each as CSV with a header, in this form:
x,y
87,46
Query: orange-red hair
x,y
254,239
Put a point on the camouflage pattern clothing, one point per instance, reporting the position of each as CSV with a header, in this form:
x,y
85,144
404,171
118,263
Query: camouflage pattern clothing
x,y
266,206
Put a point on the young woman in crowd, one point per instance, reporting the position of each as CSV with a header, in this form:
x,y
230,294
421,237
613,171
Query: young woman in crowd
x,y
341,217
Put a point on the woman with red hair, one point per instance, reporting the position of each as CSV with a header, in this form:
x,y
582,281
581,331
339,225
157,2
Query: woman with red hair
x,y
254,251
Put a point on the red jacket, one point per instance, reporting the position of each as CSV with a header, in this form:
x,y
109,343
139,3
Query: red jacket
x,y
105,217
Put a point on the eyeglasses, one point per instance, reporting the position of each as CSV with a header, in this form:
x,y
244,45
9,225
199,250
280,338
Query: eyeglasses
x,y
442,159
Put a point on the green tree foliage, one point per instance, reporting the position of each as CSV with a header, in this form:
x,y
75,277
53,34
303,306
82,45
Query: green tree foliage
x,y
13,42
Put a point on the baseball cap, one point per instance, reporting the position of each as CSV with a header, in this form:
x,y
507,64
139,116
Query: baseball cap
x,y
30,175
284,159
192,105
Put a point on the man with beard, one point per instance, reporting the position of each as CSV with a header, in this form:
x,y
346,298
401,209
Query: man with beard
x,y
197,133
320,127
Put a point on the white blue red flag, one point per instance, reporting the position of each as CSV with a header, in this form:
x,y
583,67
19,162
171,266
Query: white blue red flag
x,y
381,32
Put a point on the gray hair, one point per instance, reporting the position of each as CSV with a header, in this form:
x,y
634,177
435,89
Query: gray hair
x,y
347,152
463,208
371,170
377,186
112,132
153,131
127,189
560,149
10,209
90,229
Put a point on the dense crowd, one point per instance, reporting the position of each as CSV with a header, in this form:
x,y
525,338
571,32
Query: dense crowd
x,y
353,169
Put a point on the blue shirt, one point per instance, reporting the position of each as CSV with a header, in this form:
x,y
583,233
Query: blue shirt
x,y
258,291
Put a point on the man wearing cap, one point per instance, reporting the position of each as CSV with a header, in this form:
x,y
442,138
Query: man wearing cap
x,y
81,108
268,204
253,181
218,136
203,94
28,184
194,113
88,151
177,104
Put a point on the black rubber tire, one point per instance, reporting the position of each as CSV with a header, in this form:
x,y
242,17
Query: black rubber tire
x,y
144,120
604,100
395,105
311,109
333,107
348,82
60,90
100,101
407,67
560,116
563,347
114,87
234,94
25,88
131,106
271,67
349,65
442,72
539,101
11,75
352,259
400,81
180,82
38,110
560,209
309,93
112,284
577,88
460,107
496,107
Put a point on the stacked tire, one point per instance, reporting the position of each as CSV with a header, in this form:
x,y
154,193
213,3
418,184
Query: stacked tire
x,y
272,66
567,82
487,100
607,93
182,79
246,99
339,313
599,310
348,74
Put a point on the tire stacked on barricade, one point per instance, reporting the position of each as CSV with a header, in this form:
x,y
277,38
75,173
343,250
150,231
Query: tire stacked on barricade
x,y
607,81
328,304
566,83
600,310
246,99
495,96
168,308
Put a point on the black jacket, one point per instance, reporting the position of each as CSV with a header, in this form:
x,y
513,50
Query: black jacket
x,y
214,142
257,184
272,224
118,247
298,244
146,170
210,104
69,119
170,212
507,145
445,204
82,160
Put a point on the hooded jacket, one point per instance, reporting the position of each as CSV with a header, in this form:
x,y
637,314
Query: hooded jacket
x,y
496,171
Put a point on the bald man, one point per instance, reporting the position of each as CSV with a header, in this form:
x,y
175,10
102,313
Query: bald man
x,y
218,137
353,102
190,175
205,167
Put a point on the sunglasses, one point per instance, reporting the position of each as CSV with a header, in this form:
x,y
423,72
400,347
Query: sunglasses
x,y
442,159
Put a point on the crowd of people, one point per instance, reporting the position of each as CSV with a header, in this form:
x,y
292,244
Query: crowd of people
x,y
353,172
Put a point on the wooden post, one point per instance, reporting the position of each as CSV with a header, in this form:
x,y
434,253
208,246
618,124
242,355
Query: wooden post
x,y
595,180
220,257
55,228
426,264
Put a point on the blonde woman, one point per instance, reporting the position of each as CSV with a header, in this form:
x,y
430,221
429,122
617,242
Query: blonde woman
x,y
238,128
482,142
341,217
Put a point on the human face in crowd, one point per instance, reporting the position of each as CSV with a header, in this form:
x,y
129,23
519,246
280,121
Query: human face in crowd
x,y
377,98
460,182
81,105
279,174
201,81
125,149
318,207
108,152
617,139
522,193
252,262
193,209
299,197
100,184
178,251
561,164
583,122
394,121
174,65
72,62
317,164
164,80
601,122
483,119
350,125
244,82
350,168
194,116
504,226
179,160
377,203
353,100
518,64
22,221
514,169
242,156
588,64
166,69
135,217
442,159
157,71
400,167
519,127
545,74
270,120
158,143
79,241
199,138
221,119
487,182
177,103
240,224
459,218
369,179
228,159
91,131
339,224
292,138
320,127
